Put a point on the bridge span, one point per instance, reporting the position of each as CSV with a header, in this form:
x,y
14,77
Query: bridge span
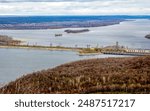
x,y
131,52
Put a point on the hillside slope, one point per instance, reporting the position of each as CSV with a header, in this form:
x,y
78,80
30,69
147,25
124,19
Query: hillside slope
x,y
111,75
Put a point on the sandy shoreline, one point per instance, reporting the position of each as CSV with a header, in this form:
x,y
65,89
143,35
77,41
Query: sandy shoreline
x,y
60,24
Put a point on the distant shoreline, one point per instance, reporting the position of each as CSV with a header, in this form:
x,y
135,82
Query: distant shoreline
x,y
58,22
57,25
36,22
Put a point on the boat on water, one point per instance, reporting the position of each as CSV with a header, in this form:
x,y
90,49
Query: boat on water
x,y
58,35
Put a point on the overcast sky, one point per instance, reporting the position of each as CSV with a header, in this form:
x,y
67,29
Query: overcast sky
x,y
74,7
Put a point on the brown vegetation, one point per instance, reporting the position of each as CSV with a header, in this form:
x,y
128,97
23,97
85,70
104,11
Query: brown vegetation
x,y
6,40
90,50
111,75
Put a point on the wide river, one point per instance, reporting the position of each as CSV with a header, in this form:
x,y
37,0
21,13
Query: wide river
x,y
16,62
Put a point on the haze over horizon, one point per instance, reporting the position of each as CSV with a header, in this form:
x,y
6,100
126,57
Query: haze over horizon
x,y
74,7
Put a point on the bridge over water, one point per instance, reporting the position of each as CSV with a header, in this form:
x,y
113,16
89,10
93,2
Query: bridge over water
x,y
131,52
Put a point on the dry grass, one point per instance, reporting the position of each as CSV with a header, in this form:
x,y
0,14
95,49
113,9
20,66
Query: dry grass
x,y
112,75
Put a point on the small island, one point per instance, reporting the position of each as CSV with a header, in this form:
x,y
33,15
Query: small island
x,y
77,31
147,36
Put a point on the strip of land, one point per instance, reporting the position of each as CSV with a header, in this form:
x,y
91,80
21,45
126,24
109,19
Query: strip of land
x,y
58,25
113,50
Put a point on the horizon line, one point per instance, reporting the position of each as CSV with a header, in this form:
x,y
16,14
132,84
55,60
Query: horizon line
x,y
78,15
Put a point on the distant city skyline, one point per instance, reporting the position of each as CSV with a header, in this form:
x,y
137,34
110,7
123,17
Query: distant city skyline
x,y
74,7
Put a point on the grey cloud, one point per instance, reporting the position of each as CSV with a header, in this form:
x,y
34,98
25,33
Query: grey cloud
x,y
7,1
58,7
